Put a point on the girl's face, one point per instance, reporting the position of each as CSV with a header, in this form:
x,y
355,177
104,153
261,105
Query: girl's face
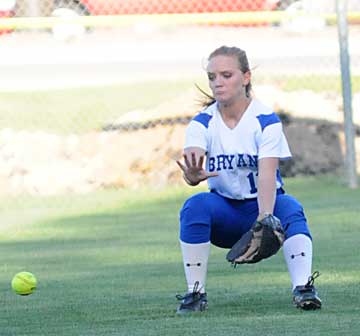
x,y
227,82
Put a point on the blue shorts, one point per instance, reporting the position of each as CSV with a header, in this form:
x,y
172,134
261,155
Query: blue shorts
x,y
208,216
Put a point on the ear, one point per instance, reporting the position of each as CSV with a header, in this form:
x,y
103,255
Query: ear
x,y
247,77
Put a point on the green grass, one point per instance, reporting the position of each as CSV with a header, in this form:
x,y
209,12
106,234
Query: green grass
x,y
109,263
87,109
82,109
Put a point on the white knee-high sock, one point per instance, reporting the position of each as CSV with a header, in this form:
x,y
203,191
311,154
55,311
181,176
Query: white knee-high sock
x,y
195,258
298,255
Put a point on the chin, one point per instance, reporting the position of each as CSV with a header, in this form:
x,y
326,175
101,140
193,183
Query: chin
x,y
223,101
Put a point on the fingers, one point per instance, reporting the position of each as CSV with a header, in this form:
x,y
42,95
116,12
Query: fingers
x,y
212,174
201,161
187,162
193,159
193,162
182,167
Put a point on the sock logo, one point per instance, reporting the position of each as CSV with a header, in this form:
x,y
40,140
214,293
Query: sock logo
x,y
197,264
302,254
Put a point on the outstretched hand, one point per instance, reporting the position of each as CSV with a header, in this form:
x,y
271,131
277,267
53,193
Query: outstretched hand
x,y
193,170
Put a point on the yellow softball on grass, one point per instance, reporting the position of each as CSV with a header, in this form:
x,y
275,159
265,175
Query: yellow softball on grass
x,y
24,283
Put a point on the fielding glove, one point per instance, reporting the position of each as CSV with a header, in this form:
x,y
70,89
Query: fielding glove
x,y
263,240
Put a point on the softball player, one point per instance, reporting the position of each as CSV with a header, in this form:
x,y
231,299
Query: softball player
x,y
241,141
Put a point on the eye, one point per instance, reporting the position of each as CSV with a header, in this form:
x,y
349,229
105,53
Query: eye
x,y
227,74
211,76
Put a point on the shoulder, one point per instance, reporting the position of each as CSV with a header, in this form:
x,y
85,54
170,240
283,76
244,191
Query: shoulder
x,y
265,115
205,116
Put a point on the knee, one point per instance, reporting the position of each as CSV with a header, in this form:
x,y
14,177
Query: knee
x,y
195,219
291,214
195,208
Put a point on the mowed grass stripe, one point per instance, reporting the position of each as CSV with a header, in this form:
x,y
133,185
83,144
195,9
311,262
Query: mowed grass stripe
x,y
109,264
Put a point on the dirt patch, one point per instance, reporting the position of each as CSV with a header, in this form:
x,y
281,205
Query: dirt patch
x,y
315,145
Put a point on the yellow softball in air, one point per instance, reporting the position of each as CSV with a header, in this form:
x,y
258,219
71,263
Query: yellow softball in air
x,y
24,283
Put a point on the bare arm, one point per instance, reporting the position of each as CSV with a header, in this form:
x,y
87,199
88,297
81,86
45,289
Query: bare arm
x,y
193,169
267,185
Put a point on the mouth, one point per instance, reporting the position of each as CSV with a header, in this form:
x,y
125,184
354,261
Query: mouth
x,y
219,93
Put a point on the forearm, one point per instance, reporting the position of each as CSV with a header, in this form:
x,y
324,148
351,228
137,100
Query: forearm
x,y
266,185
266,195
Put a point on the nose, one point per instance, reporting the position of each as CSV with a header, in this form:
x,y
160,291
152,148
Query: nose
x,y
218,82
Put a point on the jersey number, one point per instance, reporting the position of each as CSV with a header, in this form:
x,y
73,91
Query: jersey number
x,y
251,179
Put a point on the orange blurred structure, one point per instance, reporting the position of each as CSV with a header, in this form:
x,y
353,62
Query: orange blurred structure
x,y
116,7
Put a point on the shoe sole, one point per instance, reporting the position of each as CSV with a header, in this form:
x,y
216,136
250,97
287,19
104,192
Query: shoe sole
x,y
202,308
309,305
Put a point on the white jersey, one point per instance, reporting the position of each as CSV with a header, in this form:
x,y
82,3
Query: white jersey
x,y
234,153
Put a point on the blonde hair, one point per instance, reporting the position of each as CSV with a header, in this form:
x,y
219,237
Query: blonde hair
x,y
240,55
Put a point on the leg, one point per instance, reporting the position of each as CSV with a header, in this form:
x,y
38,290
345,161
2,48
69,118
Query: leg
x,y
210,218
298,242
297,247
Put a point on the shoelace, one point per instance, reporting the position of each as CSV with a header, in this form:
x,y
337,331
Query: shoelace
x,y
195,291
312,278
